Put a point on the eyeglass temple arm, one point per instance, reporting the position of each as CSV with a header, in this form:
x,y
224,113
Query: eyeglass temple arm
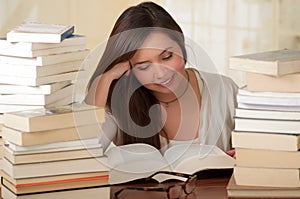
x,y
140,189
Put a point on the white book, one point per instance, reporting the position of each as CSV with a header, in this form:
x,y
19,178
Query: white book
x,y
267,125
267,114
39,90
62,102
268,107
38,71
43,52
5,108
73,40
57,146
39,32
265,100
37,99
83,165
29,81
47,59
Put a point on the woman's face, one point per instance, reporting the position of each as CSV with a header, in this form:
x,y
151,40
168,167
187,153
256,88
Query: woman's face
x,y
159,64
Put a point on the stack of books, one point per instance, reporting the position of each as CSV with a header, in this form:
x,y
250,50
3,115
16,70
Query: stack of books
x,y
39,65
267,126
51,152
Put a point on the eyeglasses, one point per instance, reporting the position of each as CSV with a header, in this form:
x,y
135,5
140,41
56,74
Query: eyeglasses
x,y
173,191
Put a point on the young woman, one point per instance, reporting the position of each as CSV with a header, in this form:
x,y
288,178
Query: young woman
x,y
150,94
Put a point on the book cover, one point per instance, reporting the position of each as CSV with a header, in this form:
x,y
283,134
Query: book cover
x,y
276,63
36,32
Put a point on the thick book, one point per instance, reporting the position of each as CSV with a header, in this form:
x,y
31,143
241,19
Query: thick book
x,y
54,118
102,191
276,63
37,90
267,114
239,191
73,40
43,52
267,141
36,32
38,100
38,81
289,83
267,125
14,70
63,154
267,158
84,182
61,167
56,179
78,132
54,147
136,161
268,177
268,98
268,107
45,60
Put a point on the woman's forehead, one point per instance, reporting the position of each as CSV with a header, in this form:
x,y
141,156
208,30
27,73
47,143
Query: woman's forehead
x,y
158,40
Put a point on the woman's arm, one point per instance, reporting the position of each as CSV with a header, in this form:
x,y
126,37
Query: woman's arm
x,y
98,92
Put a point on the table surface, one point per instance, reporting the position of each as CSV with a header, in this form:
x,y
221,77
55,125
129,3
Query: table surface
x,y
211,185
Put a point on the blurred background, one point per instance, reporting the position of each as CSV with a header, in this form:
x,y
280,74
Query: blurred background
x,y
223,28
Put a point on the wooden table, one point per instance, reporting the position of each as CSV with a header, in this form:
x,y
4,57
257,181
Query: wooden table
x,y
210,186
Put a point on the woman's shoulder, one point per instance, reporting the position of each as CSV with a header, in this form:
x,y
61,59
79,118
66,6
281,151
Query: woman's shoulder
x,y
215,79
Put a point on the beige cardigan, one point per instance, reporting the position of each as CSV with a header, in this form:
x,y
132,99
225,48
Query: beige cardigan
x,y
218,95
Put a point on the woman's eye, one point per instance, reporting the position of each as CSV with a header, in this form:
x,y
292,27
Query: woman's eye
x,y
168,56
144,67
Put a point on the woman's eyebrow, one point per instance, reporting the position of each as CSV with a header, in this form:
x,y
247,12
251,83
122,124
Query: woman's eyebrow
x,y
142,62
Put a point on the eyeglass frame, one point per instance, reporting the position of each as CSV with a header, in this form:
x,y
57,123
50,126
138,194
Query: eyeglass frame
x,y
165,188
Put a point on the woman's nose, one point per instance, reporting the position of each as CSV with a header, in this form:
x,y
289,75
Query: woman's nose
x,y
160,71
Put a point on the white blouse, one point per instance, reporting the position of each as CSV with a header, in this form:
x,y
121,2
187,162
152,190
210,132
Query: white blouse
x,y
218,102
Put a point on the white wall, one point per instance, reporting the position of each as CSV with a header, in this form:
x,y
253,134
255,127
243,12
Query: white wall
x,y
223,27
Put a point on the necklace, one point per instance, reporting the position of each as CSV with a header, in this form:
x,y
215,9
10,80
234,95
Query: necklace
x,y
176,98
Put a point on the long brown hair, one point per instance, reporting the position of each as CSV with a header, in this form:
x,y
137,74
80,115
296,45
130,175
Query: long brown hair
x,y
128,100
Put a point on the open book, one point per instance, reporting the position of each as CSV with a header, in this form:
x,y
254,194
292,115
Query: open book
x,y
136,161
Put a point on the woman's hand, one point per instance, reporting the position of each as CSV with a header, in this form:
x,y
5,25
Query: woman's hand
x,y
117,71
98,92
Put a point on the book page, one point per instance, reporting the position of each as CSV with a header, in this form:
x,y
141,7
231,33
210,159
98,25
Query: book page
x,y
191,158
134,161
